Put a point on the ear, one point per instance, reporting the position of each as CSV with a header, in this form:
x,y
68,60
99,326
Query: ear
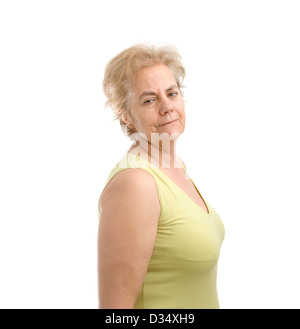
x,y
123,115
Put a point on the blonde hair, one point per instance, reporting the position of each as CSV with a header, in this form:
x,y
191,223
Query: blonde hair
x,y
120,71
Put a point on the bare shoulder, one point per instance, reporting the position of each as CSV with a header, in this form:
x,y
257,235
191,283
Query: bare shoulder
x,y
130,186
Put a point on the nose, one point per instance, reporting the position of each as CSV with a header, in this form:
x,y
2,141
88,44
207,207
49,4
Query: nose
x,y
165,106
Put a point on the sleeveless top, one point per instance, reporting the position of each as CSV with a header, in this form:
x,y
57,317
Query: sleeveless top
x,y
182,272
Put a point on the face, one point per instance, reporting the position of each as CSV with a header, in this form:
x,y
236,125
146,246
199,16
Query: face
x,y
156,104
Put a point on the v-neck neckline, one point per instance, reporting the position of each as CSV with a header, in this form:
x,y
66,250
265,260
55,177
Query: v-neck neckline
x,y
207,212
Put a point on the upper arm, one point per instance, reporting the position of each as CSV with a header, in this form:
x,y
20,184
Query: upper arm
x,y
127,230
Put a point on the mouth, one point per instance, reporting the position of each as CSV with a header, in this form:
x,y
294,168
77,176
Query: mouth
x,y
168,123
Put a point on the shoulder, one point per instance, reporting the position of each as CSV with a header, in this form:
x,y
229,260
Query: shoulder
x,y
130,187
132,180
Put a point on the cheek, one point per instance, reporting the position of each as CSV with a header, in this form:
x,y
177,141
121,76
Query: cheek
x,y
183,122
143,123
182,119
182,114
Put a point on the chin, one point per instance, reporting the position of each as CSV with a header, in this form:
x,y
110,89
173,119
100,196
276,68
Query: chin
x,y
172,134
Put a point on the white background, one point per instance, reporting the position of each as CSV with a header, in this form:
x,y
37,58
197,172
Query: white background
x,y
58,144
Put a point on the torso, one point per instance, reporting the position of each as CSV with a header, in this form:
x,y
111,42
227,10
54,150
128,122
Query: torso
x,y
178,176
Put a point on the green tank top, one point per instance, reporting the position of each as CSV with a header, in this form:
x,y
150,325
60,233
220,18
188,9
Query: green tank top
x,y
182,272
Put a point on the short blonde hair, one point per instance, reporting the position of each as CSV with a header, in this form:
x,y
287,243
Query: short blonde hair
x,y
120,71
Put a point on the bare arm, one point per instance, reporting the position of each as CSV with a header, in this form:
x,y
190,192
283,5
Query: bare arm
x,y
127,229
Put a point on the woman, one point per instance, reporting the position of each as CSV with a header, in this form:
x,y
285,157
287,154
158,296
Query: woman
x,y
158,240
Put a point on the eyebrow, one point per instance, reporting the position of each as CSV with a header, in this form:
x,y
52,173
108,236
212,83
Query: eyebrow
x,y
150,93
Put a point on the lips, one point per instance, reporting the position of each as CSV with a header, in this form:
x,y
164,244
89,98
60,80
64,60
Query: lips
x,y
169,122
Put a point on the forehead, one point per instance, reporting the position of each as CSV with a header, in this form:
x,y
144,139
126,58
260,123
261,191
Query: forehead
x,y
154,77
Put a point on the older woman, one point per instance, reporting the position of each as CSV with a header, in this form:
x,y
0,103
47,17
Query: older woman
x,y
158,240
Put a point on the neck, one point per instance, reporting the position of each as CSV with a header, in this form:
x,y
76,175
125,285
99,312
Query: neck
x,y
161,153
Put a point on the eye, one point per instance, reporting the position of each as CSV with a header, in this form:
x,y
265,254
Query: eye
x,y
173,94
149,101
